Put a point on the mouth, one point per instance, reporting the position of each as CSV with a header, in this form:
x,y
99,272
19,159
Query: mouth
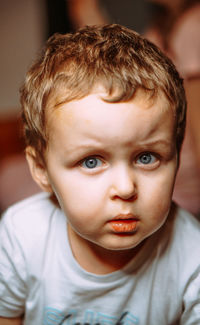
x,y
124,224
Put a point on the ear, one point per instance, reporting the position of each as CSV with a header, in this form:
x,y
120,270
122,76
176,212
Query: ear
x,y
38,170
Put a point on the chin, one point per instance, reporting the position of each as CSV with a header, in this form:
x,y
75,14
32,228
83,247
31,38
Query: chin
x,y
122,246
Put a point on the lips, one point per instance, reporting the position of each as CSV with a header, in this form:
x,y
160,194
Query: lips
x,y
124,224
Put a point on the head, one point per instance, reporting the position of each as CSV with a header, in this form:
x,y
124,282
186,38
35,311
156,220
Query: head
x,y
104,116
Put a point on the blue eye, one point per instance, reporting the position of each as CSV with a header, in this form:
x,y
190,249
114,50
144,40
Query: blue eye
x,y
91,162
146,158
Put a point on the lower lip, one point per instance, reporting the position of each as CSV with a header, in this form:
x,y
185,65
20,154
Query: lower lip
x,y
124,226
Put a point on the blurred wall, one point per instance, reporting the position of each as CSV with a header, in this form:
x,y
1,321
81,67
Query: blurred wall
x,y
22,33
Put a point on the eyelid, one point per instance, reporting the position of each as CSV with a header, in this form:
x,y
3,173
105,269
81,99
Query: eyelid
x,y
150,165
90,158
95,169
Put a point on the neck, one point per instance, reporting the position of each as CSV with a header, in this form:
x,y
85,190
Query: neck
x,y
96,259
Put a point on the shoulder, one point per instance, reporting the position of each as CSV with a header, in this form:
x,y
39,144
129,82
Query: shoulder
x,y
36,201
187,226
183,235
29,217
37,205
186,263
24,229
27,228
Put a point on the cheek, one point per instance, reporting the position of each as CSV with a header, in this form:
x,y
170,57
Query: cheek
x,y
159,190
79,196
155,206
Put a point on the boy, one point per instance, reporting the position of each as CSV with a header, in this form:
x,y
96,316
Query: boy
x,y
104,118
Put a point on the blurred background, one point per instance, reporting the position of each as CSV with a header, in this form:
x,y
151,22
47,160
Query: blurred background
x,y
25,25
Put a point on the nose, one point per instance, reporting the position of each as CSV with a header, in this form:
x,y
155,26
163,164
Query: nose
x,y
123,183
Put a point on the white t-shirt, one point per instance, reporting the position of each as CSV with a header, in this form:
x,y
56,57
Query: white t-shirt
x,y
40,278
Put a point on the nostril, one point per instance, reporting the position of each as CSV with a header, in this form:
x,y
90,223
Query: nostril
x,y
132,198
129,199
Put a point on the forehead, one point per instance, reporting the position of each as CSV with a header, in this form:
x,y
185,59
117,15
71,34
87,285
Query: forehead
x,y
92,117
99,95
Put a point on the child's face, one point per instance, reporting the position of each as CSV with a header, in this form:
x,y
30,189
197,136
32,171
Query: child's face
x,y
112,167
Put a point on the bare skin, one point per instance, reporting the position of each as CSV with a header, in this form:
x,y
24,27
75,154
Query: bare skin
x,y
10,321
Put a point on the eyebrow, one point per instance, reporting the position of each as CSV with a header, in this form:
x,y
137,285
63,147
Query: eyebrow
x,y
98,146
160,145
158,142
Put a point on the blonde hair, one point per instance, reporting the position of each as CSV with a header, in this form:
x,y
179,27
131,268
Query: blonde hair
x,y
111,55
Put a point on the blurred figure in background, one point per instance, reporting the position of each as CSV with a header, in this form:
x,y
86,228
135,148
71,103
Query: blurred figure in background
x,y
177,32
68,15
135,14
87,12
